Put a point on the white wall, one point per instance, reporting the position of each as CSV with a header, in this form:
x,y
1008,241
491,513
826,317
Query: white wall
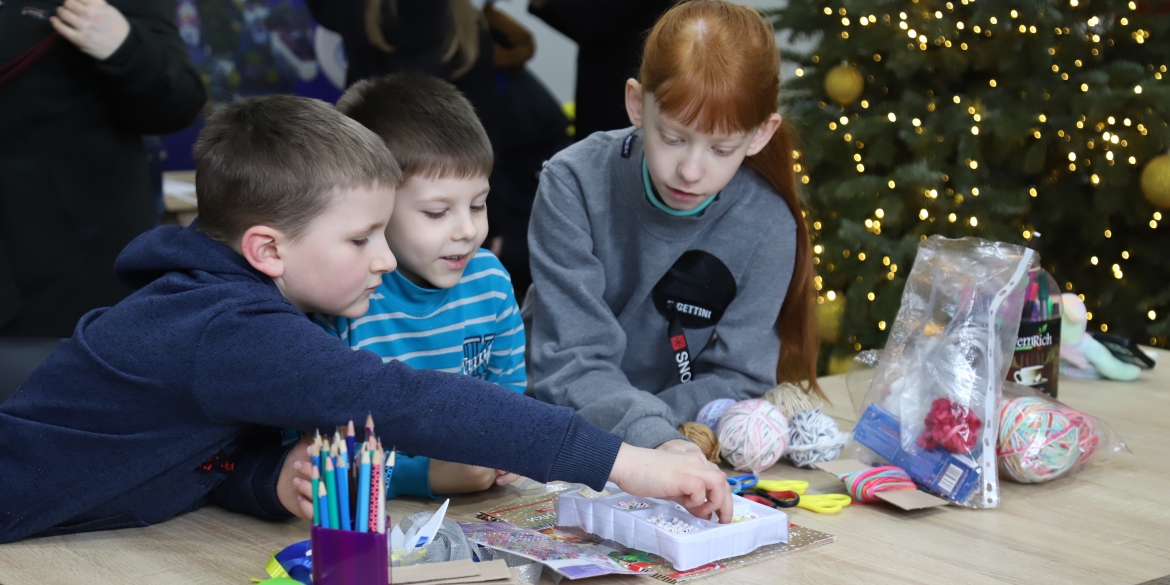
x,y
555,62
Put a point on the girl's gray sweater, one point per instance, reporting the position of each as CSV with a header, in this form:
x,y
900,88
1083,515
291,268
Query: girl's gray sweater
x,y
598,247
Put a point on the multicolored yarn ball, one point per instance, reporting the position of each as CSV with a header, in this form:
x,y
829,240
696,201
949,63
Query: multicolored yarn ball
x,y
710,413
1037,441
790,399
754,435
703,437
864,485
950,426
1087,437
813,437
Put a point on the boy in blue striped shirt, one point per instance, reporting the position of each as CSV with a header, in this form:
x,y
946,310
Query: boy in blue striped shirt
x,y
450,305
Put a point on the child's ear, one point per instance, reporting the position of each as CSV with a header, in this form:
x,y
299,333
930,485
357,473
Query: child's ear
x,y
763,134
260,247
634,102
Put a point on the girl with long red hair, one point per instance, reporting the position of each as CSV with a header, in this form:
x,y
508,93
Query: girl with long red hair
x,y
671,260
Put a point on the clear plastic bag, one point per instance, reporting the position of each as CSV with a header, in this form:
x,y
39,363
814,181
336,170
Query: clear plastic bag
x,y
939,377
1041,438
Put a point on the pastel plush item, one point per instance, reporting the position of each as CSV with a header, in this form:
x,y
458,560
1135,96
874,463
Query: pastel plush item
x,y
1081,351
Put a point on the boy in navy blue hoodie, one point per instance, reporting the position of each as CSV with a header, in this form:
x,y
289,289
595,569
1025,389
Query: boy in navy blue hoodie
x,y
171,399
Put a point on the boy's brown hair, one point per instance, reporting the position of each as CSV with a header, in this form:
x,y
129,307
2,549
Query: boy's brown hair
x,y
277,161
429,126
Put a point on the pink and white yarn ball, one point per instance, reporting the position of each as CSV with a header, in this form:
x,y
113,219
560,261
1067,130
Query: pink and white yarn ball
x,y
754,435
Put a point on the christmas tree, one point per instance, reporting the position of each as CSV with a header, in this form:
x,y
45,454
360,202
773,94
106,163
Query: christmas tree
x,y
990,118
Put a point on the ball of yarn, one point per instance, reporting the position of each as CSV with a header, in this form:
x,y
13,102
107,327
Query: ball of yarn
x,y
703,437
950,426
864,485
790,399
710,413
1037,441
1087,437
813,437
754,435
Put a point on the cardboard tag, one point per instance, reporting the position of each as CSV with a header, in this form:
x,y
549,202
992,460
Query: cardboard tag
x,y
454,572
904,499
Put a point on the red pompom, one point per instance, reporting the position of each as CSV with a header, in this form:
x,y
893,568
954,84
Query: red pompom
x,y
950,426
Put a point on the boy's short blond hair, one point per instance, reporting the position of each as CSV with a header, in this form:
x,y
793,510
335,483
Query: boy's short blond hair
x,y
430,128
277,161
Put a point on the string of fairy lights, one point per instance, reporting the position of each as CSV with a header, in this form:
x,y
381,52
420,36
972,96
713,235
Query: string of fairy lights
x,y
1105,146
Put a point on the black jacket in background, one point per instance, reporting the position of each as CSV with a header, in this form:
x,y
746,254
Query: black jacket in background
x,y
609,36
74,180
419,37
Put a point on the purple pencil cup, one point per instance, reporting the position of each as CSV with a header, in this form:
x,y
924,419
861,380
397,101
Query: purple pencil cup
x,y
348,557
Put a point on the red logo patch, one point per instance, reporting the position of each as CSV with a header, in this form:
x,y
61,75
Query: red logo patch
x,y
678,342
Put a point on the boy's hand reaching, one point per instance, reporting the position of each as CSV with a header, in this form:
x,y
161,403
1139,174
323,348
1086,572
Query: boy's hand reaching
x,y
294,486
680,446
687,478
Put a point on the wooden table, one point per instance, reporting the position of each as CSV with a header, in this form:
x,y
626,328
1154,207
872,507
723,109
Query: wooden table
x,y
1109,524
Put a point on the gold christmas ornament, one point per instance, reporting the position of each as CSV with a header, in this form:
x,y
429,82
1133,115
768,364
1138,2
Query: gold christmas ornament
x,y
844,84
1156,181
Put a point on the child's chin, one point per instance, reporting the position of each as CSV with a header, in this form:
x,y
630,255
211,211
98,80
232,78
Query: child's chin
x,y
356,310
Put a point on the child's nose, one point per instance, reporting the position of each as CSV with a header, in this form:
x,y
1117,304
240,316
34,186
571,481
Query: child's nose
x,y
465,229
385,260
691,169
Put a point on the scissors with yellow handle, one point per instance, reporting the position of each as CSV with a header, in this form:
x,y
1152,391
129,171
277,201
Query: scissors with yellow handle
x,y
819,503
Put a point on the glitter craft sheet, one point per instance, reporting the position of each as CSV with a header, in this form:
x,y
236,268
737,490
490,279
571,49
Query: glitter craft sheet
x,y
539,513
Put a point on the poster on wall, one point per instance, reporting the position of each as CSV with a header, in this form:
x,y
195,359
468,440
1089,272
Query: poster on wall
x,y
253,47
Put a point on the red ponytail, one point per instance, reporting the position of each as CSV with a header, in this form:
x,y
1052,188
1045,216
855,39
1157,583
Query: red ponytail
x,y
714,65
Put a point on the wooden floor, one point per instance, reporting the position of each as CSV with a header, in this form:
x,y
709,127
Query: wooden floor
x,y
1110,524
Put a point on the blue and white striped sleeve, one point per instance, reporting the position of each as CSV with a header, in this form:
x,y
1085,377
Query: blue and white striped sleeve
x,y
506,364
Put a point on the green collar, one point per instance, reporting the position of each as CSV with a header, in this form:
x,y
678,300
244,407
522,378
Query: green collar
x,y
657,202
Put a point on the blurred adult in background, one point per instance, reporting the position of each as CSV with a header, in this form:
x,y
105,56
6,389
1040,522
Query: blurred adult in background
x,y
536,130
80,82
444,38
609,36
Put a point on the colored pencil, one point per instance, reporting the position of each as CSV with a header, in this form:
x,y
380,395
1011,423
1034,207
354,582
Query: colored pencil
x,y
331,483
316,457
362,520
376,495
390,466
342,472
349,442
381,489
369,426
323,503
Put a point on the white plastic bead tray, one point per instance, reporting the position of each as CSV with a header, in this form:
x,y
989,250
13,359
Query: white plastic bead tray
x,y
711,542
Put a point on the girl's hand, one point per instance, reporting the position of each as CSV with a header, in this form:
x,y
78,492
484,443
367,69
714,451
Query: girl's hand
x,y
97,28
687,478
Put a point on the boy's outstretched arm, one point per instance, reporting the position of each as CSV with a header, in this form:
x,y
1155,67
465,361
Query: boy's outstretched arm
x,y
686,478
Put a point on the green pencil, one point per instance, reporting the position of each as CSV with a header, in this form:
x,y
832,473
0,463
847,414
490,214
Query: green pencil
x,y
331,481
